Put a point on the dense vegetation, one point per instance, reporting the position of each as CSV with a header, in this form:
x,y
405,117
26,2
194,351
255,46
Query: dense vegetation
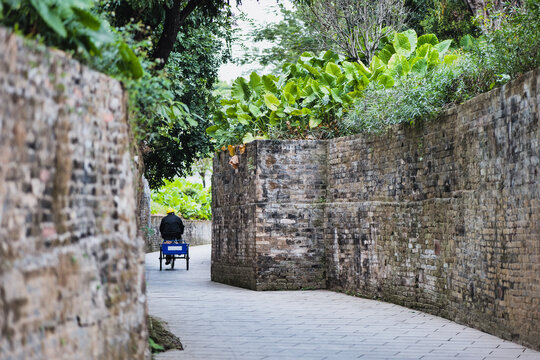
x,y
166,52
190,200
409,78
312,96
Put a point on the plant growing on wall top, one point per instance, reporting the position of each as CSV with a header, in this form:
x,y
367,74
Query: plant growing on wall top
x,y
312,95
69,25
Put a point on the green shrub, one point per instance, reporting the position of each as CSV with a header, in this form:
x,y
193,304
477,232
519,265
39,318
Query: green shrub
x,y
412,98
313,95
190,200
491,60
70,25
513,47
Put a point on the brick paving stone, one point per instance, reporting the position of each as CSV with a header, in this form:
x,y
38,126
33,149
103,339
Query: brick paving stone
x,y
216,321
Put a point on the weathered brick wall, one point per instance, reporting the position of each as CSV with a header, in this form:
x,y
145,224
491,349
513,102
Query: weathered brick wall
x,y
196,232
445,216
290,194
233,219
71,264
268,216
441,216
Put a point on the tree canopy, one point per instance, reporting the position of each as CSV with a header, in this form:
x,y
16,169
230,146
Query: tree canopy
x,y
188,43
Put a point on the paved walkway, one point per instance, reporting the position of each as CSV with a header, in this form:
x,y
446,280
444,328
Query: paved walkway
x,y
216,321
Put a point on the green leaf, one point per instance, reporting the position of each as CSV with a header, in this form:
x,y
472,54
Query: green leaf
x,y
399,65
294,112
336,95
330,56
333,69
401,44
269,82
433,57
413,38
328,79
427,39
255,110
384,55
212,129
271,101
50,18
314,122
87,18
229,102
154,345
467,42
362,68
191,121
450,59
443,47
311,69
386,80
424,50
289,97
291,88
243,118
273,119
419,65
255,82
306,56
240,89
248,138
130,61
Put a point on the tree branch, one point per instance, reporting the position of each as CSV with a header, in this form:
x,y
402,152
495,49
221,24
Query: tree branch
x,y
174,19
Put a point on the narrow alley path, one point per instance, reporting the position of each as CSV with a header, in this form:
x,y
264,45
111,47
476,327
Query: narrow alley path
x,y
216,321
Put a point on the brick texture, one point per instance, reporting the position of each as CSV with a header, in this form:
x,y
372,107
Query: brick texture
x,y
268,216
71,264
441,216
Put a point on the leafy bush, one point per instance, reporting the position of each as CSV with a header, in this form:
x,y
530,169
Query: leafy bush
x,y
412,98
70,25
190,200
512,47
314,94
492,60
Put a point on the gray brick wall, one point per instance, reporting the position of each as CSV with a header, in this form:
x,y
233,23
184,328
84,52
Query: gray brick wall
x,y
444,216
71,264
441,216
268,216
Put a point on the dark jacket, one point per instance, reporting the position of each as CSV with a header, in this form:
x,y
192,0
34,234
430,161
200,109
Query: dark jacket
x,y
171,227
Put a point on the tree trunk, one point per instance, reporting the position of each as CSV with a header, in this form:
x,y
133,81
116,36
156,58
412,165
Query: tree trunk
x,y
476,6
174,19
486,8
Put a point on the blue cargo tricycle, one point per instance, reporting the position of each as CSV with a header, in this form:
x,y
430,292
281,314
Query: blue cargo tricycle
x,y
177,250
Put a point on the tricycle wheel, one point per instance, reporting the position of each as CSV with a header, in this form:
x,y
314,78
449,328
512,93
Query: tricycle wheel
x,y
172,262
160,258
187,260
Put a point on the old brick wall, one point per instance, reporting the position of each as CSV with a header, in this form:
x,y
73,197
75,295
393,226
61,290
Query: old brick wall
x,y
71,264
268,216
233,219
441,216
445,216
